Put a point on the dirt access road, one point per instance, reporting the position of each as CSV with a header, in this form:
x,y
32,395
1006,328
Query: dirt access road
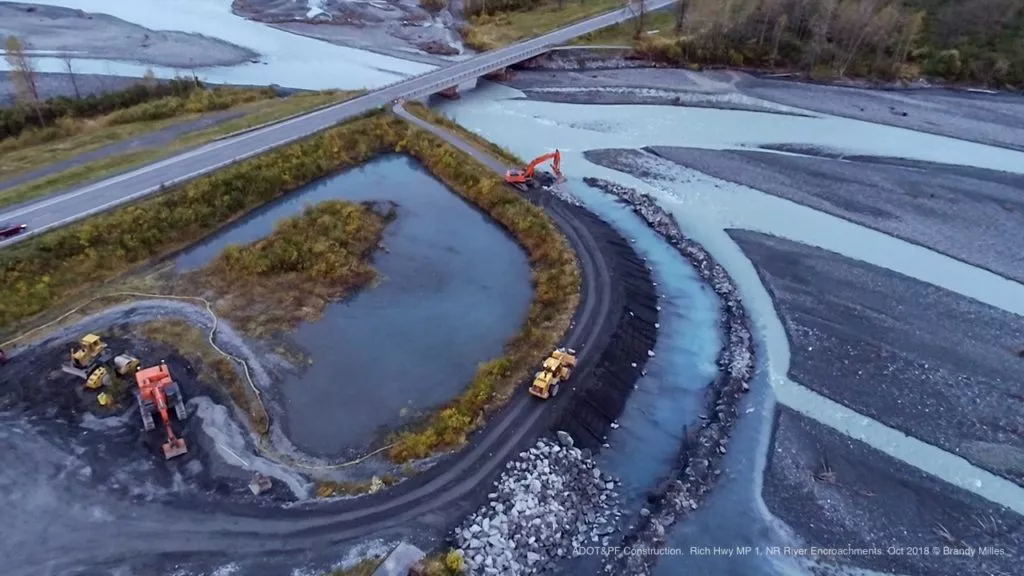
x,y
157,538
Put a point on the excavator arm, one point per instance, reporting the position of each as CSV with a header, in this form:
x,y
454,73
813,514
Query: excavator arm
x,y
174,446
526,175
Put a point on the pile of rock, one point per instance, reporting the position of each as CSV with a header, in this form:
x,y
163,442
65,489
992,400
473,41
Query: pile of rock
x,y
548,504
703,448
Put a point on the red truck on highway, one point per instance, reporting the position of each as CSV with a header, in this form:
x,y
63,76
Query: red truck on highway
x,y
8,230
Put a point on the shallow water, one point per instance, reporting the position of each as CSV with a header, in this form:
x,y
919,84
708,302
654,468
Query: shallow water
x,y
704,207
286,59
671,394
454,288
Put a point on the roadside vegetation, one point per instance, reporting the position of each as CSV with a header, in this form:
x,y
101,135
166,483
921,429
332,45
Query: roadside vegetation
x,y
973,41
69,136
419,110
255,107
45,274
307,262
497,23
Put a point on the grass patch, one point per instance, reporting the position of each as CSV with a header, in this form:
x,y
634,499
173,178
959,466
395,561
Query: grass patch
x,y
308,261
52,271
193,343
259,113
329,488
450,563
489,31
364,568
659,24
419,110
69,137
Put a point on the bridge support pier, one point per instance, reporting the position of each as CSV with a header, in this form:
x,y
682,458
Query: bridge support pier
x,y
451,93
500,74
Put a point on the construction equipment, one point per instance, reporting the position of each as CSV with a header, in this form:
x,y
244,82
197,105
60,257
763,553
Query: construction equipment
x,y
556,368
157,391
525,176
94,362
92,351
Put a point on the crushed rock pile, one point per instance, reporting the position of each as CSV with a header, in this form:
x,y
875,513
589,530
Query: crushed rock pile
x,y
704,447
549,503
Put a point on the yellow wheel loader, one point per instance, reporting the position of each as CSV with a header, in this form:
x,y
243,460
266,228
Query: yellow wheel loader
x,y
94,362
556,368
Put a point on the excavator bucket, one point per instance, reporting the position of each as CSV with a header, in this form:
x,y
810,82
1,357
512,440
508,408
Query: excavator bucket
x,y
174,447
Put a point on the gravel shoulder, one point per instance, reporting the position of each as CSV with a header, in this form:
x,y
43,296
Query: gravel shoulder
x,y
100,36
931,363
838,493
971,214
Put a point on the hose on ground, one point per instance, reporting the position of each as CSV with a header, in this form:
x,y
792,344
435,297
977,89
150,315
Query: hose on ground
x,y
263,445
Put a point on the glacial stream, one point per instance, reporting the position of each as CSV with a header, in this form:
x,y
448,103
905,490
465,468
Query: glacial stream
x,y
705,207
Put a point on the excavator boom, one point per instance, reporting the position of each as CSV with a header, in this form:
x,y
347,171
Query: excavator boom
x,y
526,175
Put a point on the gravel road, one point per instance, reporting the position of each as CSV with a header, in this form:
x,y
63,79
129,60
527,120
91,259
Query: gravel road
x,y
929,362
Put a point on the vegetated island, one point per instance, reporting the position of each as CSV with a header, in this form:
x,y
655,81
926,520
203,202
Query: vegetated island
x,y
307,262
44,275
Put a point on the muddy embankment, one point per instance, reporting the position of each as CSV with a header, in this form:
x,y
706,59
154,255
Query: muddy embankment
x,y
701,454
400,28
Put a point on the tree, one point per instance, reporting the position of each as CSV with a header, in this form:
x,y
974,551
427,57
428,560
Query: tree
x,y
681,15
66,59
23,75
640,20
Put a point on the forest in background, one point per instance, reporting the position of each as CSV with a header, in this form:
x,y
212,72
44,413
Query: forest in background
x,y
975,41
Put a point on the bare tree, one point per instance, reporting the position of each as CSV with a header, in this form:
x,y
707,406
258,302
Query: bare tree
x,y
682,5
149,78
23,75
780,28
640,17
69,68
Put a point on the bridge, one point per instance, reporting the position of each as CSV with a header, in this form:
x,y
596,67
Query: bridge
x,y
62,209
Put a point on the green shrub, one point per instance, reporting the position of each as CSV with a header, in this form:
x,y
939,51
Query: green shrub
x,y
55,269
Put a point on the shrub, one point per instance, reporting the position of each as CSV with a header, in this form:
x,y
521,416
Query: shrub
x,y
291,276
52,270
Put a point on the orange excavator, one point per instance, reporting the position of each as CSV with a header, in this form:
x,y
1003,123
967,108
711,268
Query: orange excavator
x,y
525,176
157,390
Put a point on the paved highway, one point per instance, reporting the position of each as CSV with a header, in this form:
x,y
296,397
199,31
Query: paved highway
x,y
67,207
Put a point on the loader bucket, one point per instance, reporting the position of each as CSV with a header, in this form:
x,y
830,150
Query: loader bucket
x,y
174,448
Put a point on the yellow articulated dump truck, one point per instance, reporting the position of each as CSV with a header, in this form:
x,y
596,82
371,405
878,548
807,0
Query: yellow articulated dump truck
x,y
556,369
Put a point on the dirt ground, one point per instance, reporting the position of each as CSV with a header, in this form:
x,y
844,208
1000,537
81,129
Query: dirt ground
x,y
111,442
102,36
839,493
